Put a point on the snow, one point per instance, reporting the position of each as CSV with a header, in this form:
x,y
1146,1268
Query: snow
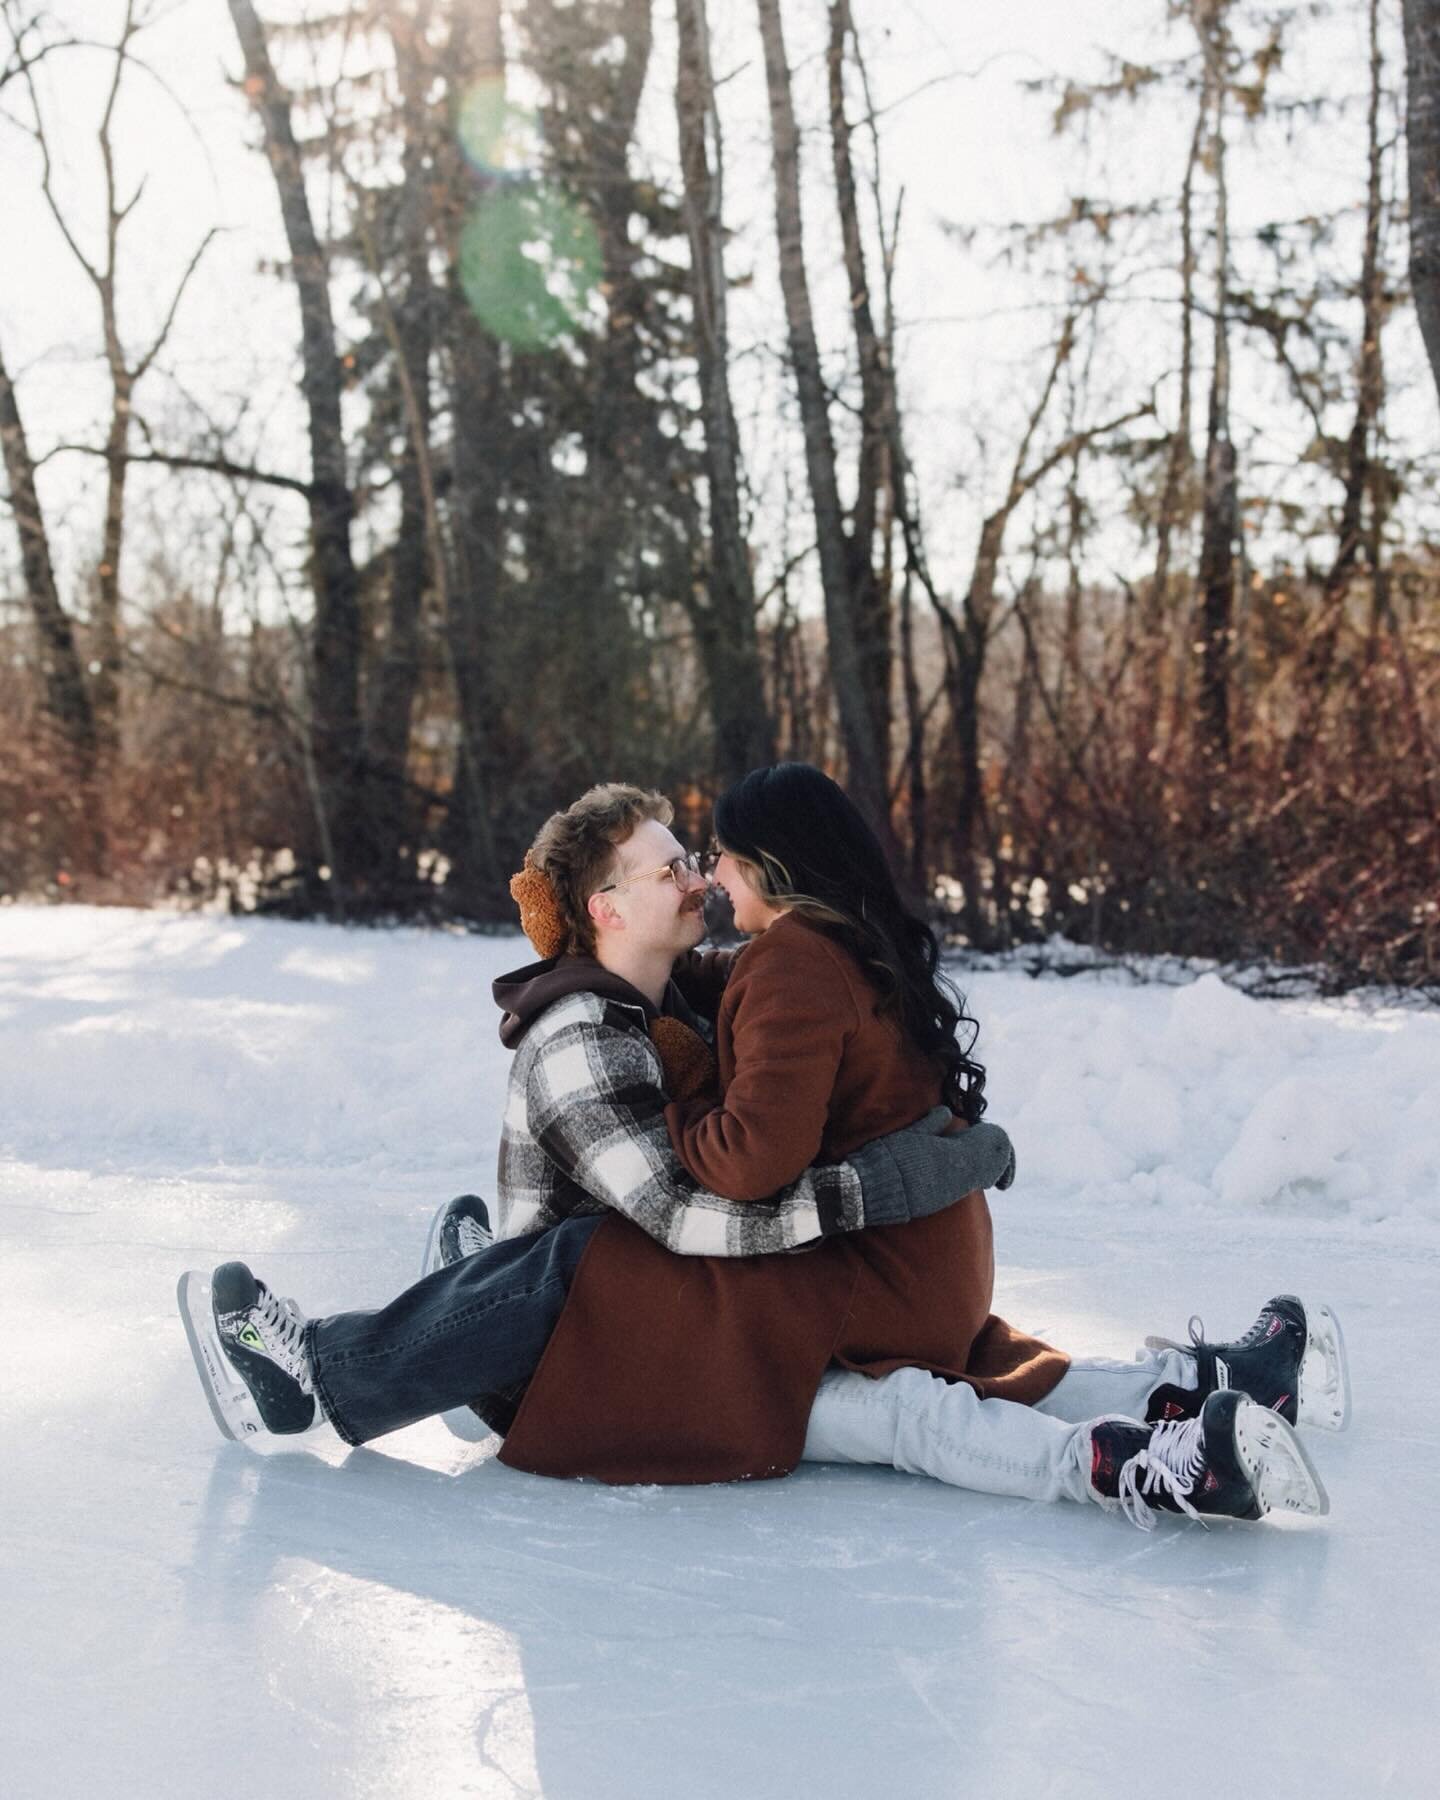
x,y
184,1615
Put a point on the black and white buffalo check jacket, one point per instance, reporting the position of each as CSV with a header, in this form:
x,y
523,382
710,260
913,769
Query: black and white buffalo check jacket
x,y
584,1131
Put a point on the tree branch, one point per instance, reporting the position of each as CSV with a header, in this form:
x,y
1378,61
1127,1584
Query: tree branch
x,y
219,465
164,332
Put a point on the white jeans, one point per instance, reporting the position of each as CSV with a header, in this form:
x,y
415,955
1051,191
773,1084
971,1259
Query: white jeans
x,y
914,1421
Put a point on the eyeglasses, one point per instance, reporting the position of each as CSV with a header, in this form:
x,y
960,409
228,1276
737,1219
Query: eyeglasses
x,y
679,869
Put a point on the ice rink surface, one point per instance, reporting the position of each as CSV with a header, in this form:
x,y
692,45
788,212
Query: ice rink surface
x,y
185,1616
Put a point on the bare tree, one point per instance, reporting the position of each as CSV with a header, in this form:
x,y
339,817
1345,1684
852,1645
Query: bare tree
x,y
413,560
475,53
1155,623
1422,138
336,647
863,752
1220,526
966,637
66,695
125,372
870,594
724,621
1354,534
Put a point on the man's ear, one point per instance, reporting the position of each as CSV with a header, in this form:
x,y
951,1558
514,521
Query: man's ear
x,y
606,916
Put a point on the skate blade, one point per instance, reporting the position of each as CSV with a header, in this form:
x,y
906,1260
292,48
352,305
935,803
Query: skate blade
x,y
1280,1472
430,1262
231,1404
1324,1397
468,1426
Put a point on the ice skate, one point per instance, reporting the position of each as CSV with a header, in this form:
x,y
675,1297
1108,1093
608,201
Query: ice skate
x,y
1234,1460
1292,1359
249,1352
459,1228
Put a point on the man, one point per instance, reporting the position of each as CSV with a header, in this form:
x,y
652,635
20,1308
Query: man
x,y
584,1134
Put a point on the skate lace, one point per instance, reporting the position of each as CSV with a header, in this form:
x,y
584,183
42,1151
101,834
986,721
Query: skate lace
x,y
471,1236
1174,1460
1199,1342
283,1325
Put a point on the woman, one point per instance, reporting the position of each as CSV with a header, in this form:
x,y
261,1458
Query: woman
x,y
835,1026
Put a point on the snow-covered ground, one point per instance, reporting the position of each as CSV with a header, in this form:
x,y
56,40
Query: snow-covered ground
x,y
184,1616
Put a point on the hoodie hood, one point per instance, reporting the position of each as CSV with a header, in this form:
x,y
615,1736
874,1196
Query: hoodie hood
x,y
526,993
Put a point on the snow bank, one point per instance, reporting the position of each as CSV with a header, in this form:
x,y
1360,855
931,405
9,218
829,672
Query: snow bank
x,y
1200,1095
134,1038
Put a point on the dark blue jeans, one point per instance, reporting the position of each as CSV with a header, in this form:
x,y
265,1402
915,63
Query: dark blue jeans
x,y
474,1332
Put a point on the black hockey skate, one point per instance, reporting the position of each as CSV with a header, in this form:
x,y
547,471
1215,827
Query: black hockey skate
x,y
460,1227
1234,1460
249,1349
1292,1359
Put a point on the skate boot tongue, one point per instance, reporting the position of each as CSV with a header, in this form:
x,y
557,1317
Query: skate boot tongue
x,y
262,1337
1165,1473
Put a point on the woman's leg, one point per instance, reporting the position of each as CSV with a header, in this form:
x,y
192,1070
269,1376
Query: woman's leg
x,y
914,1421
1093,1386
1234,1459
479,1326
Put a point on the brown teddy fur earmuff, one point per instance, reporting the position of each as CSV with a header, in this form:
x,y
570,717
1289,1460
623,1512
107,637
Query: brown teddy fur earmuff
x,y
540,916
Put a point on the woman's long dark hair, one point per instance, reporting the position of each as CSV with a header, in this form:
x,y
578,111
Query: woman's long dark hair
x,y
810,852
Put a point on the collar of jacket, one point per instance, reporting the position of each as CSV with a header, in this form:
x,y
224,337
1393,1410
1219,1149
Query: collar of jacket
x,y
525,993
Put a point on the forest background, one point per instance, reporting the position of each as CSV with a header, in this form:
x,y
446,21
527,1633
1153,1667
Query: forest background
x,y
414,410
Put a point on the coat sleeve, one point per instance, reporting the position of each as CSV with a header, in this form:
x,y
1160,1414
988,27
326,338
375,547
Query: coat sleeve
x,y
595,1107
791,1010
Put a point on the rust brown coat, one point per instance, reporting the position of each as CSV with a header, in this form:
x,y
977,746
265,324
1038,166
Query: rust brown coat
x,y
691,1369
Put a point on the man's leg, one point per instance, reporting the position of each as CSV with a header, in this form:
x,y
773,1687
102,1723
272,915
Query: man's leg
x,y
479,1326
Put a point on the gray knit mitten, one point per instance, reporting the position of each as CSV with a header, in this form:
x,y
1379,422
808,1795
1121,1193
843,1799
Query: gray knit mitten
x,y
918,1171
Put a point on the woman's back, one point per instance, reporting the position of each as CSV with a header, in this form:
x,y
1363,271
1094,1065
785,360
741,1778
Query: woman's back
x,y
809,1068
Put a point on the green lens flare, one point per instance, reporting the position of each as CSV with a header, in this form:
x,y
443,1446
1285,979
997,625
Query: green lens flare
x,y
530,265
491,131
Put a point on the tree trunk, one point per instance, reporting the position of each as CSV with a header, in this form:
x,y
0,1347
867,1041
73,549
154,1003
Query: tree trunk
x,y
1422,139
1156,624
1067,676
476,55
967,645
1320,650
864,765
726,626
105,693
388,740
871,596
336,653
1220,528
66,697
916,788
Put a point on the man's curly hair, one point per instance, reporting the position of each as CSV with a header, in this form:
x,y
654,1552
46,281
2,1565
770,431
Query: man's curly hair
x,y
574,851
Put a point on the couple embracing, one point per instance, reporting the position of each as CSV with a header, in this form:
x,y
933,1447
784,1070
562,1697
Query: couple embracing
x,y
740,1218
